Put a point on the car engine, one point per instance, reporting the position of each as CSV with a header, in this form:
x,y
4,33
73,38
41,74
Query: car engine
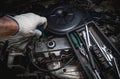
x,y
81,41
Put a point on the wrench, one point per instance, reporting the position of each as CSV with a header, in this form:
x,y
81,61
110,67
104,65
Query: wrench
x,y
88,45
100,48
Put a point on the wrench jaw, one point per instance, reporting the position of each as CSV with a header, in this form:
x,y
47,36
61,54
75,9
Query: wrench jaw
x,y
108,54
82,50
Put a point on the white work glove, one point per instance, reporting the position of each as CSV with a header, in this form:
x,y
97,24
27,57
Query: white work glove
x,y
28,23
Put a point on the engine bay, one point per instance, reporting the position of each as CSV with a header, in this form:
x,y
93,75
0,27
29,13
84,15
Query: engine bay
x,y
81,41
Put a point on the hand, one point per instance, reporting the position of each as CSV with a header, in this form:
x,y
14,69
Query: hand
x,y
28,22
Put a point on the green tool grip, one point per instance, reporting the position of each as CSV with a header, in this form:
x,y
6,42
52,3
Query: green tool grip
x,y
74,40
42,30
78,38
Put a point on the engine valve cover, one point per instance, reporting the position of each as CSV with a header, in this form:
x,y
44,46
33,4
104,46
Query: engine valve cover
x,y
63,18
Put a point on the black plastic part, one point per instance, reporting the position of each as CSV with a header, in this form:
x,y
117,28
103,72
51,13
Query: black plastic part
x,y
104,39
62,18
80,58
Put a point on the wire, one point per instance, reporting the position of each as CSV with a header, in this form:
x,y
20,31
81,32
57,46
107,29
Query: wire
x,y
30,54
45,70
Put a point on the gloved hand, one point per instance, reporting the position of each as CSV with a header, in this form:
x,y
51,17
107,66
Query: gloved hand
x,y
28,22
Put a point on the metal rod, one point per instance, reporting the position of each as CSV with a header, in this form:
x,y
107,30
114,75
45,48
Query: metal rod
x,y
109,56
100,47
88,44
88,37
97,73
116,67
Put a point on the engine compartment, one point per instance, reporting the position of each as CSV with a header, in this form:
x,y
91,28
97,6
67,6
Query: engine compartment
x,y
54,54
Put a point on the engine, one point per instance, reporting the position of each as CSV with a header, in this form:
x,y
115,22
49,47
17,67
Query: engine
x,y
80,42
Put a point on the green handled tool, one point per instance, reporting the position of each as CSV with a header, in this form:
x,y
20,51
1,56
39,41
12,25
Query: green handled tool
x,y
77,42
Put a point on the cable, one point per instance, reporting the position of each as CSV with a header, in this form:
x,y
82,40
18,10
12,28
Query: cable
x,y
45,70
30,55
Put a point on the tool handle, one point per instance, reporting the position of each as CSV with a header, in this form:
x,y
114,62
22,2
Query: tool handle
x,y
78,38
74,40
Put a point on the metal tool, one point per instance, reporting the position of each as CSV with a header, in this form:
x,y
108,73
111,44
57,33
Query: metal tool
x,y
77,42
104,54
87,36
108,54
116,66
79,45
89,45
84,36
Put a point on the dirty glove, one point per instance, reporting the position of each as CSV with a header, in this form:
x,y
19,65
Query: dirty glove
x,y
28,22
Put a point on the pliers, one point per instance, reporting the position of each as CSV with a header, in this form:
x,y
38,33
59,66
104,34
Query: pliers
x,y
77,42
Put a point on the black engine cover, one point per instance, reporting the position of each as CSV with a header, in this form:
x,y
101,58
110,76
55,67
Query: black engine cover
x,y
63,18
